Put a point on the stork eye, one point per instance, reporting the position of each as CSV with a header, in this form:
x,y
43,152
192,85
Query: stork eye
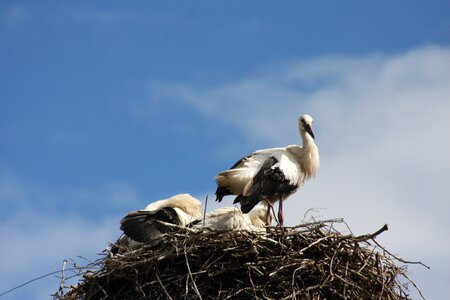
x,y
303,121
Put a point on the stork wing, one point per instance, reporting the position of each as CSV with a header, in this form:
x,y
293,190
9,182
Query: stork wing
x,y
143,225
276,178
236,180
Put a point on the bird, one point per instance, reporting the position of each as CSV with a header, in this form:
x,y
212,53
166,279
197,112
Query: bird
x,y
271,174
146,224
182,210
232,218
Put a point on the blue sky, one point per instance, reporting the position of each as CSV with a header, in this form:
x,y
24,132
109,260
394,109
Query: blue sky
x,y
104,108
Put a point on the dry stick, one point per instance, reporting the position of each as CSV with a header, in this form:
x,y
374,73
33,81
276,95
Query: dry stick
x,y
30,281
251,282
346,271
331,266
190,274
313,244
186,290
209,240
204,211
414,284
317,223
294,296
173,226
162,285
401,259
86,259
382,291
61,284
348,227
366,237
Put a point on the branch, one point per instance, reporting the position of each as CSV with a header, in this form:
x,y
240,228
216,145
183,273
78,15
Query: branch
x,y
204,211
401,259
63,278
372,236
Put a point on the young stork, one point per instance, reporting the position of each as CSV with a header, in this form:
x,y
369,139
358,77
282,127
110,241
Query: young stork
x,y
232,218
146,224
183,210
271,174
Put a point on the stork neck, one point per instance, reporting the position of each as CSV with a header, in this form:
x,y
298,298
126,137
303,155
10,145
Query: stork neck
x,y
309,156
307,140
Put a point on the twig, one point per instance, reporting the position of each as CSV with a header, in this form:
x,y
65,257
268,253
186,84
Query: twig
x,y
302,262
313,244
190,273
317,223
310,211
162,285
63,278
372,236
251,282
204,211
294,296
401,259
348,227
28,282
73,269
414,284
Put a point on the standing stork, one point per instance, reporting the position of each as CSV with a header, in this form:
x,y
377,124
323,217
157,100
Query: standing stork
x,y
271,174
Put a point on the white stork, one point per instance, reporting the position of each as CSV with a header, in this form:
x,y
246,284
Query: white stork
x,y
232,218
148,223
183,210
271,174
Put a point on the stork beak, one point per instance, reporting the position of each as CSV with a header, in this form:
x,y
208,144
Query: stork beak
x,y
309,130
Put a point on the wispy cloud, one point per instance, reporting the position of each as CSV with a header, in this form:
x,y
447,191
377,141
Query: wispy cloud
x,y
382,128
17,15
41,226
89,15
35,244
20,194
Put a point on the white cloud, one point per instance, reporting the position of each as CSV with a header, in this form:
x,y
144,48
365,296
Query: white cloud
x,y
35,244
15,16
22,194
41,226
102,17
382,125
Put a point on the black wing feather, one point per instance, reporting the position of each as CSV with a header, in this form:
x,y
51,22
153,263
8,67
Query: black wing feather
x,y
224,191
143,226
269,182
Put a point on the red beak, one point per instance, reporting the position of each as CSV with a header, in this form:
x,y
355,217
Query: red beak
x,y
309,130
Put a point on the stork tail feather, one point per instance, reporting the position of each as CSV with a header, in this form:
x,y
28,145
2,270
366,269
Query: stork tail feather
x,y
247,203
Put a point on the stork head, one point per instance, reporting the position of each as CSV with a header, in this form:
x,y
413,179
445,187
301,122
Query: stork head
x,y
305,124
185,202
259,213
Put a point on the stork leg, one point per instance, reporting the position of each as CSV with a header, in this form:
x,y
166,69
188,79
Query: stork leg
x,y
269,216
280,213
269,208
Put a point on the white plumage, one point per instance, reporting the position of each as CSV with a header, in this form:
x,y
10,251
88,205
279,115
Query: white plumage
x,y
148,223
271,174
183,210
232,218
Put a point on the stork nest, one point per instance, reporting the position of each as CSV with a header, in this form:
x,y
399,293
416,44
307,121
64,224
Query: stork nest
x,y
309,261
